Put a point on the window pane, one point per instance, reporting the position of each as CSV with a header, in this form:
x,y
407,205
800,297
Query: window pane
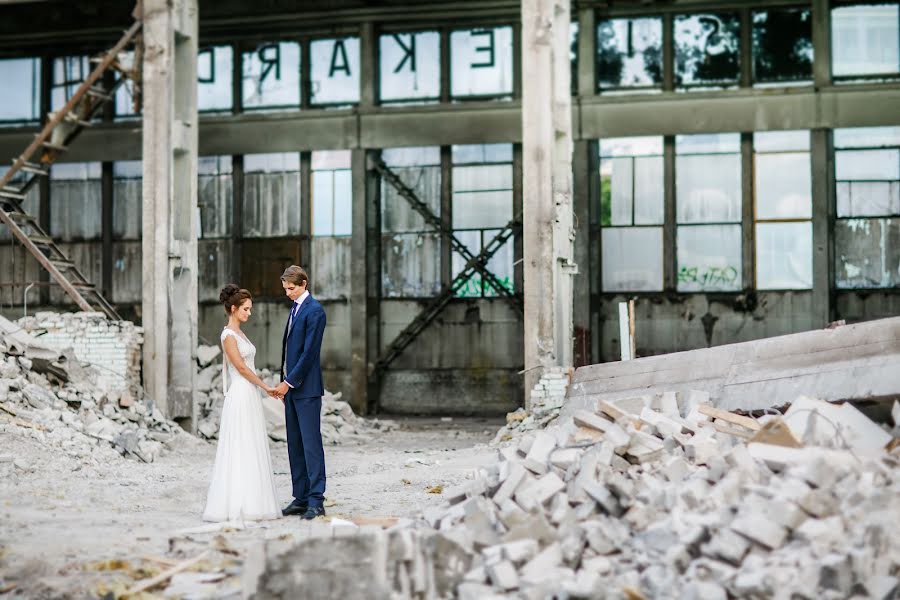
x,y
75,205
68,73
500,265
214,73
867,137
867,164
784,256
419,168
868,198
481,153
482,196
867,253
271,76
707,143
782,45
629,53
708,188
335,71
632,259
783,186
707,49
21,97
330,159
343,202
125,97
271,195
778,141
215,193
323,202
481,62
30,205
411,265
648,190
410,66
709,258
632,146
864,40
127,200
617,190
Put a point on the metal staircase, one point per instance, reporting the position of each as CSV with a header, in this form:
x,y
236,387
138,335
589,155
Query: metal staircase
x,y
474,263
62,127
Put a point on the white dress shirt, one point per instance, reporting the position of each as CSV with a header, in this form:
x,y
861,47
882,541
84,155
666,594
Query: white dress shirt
x,y
295,310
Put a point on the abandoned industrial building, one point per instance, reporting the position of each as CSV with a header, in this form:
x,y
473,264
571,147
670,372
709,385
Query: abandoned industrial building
x,y
505,207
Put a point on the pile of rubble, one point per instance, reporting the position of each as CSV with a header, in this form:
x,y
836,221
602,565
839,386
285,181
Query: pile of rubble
x,y
544,404
650,497
64,405
340,424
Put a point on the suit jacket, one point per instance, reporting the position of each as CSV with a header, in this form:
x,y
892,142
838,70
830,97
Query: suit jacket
x,y
301,348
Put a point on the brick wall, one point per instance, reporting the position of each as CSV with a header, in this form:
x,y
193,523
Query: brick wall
x,y
113,347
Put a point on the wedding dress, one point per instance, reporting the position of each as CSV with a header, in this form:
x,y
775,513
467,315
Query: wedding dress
x,y
242,486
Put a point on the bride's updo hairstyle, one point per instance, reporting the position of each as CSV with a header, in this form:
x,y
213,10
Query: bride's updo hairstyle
x,y
232,297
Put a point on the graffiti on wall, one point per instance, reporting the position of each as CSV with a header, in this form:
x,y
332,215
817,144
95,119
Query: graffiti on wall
x,y
708,277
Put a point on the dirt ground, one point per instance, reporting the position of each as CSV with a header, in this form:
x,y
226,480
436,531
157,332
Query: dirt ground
x,y
72,527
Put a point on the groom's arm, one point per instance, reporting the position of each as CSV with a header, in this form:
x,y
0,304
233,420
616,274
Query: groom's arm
x,y
315,330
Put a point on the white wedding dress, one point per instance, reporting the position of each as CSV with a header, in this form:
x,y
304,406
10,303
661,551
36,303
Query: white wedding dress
x,y
243,485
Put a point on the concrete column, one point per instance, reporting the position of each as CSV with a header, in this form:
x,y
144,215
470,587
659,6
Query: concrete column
x,y
547,186
169,244
823,200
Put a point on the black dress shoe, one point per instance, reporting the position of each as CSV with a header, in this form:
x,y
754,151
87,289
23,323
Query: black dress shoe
x,y
294,508
314,511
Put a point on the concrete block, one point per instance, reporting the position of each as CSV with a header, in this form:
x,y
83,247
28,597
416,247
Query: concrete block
x,y
560,510
511,514
882,587
534,493
515,477
759,528
675,469
584,418
855,429
836,573
895,413
546,560
539,453
563,458
704,590
634,404
728,546
666,403
819,503
503,575
475,591
663,424
599,493
534,526
525,444
597,564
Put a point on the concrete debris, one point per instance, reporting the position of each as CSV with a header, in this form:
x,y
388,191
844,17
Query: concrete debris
x,y
73,407
340,424
662,512
545,403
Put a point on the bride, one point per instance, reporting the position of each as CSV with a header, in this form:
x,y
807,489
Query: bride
x,y
243,486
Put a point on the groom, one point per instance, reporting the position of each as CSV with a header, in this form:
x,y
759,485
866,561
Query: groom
x,y
301,391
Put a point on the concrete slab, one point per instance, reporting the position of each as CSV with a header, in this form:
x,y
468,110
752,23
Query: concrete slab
x,y
859,361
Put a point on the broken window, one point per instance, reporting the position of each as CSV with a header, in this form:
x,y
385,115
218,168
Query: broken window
x,y
332,193
271,76
127,200
30,205
334,71
865,40
783,205
75,201
708,212
482,206
215,195
271,206
782,46
631,213
124,97
68,73
481,62
573,55
411,249
214,75
629,53
707,50
21,98
867,228
410,66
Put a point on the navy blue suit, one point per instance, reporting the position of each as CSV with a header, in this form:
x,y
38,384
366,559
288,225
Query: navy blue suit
x,y
301,348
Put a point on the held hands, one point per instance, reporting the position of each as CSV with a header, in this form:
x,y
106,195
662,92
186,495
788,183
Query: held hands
x,y
278,391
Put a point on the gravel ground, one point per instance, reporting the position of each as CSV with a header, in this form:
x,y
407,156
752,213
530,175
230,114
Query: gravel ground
x,y
75,528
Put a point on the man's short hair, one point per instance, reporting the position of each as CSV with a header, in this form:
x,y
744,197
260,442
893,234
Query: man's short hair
x,y
296,275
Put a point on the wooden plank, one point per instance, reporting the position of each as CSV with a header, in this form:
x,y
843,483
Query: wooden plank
x,y
741,433
167,574
617,413
776,433
724,415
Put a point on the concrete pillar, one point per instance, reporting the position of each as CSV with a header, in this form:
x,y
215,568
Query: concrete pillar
x,y
169,245
547,190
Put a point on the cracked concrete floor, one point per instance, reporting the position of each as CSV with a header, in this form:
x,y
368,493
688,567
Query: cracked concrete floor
x,y
72,530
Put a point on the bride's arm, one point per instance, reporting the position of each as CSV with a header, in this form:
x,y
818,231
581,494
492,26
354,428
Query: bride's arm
x,y
231,351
